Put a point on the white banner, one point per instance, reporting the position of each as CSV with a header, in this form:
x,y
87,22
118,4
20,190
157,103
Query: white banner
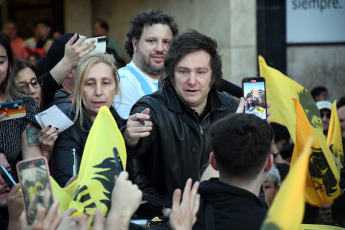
x,y
315,21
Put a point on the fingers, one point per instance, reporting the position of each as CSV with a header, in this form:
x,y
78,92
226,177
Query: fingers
x,y
136,128
54,216
98,220
194,193
3,115
15,188
83,222
85,47
176,199
48,134
196,207
22,219
240,108
187,191
146,111
123,176
69,212
72,40
41,211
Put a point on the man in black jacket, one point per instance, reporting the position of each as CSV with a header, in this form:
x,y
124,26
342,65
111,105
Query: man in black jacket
x,y
172,145
241,146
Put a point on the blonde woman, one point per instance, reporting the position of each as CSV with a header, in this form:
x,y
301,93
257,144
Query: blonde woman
x,y
95,85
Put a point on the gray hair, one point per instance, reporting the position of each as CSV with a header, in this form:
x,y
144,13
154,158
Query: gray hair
x,y
273,176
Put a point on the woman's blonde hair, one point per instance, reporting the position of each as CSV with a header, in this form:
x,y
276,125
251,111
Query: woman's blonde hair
x,y
82,71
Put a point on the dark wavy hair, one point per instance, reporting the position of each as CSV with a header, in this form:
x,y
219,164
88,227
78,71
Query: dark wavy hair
x,y
188,42
241,143
8,87
145,19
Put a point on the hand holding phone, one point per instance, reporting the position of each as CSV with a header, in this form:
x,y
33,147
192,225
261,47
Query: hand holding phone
x,y
254,93
13,109
34,179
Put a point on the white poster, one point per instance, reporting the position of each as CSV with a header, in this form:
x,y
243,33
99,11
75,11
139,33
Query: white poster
x,y
315,21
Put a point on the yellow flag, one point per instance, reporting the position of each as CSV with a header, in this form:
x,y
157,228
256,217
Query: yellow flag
x,y
287,209
95,181
322,182
322,185
280,90
334,139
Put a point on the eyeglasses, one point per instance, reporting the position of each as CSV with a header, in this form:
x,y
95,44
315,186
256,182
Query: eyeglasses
x,y
328,115
25,85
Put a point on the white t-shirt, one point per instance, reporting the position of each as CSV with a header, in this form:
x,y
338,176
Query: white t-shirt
x,y
134,84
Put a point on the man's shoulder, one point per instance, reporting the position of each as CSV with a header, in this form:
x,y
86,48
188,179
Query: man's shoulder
x,y
227,98
228,102
155,101
157,97
215,189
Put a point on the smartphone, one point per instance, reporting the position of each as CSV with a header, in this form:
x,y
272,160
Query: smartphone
x,y
34,179
7,176
101,44
254,92
13,109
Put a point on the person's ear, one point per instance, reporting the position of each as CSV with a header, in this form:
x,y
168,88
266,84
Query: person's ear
x,y
135,44
268,163
213,162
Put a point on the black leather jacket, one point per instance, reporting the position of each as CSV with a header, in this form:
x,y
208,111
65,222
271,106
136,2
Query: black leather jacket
x,y
177,148
61,161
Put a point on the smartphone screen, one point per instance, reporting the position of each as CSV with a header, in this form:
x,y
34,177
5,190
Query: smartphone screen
x,y
36,188
254,93
7,176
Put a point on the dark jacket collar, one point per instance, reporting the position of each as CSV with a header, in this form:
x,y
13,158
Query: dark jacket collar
x,y
213,190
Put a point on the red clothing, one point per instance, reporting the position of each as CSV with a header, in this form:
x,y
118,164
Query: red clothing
x,y
18,48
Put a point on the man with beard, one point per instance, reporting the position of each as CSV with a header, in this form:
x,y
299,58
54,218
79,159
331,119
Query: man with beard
x,y
148,42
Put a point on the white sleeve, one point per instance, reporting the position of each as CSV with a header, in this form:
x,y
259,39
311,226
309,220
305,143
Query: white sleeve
x,y
130,94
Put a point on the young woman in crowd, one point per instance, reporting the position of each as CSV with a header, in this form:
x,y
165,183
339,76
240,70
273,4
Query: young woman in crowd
x,y
27,79
18,137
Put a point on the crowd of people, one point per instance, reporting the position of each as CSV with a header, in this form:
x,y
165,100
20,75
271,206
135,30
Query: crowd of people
x,y
180,120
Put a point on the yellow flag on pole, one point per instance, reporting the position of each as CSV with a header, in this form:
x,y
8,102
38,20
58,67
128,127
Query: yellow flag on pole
x,y
280,90
283,93
322,185
334,139
287,209
95,181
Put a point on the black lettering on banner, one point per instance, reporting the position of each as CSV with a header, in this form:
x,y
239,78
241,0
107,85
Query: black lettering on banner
x,y
320,5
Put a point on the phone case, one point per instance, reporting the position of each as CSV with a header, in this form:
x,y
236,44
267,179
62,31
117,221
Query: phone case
x,y
36,188
13,109
101,44
254,92
7,176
